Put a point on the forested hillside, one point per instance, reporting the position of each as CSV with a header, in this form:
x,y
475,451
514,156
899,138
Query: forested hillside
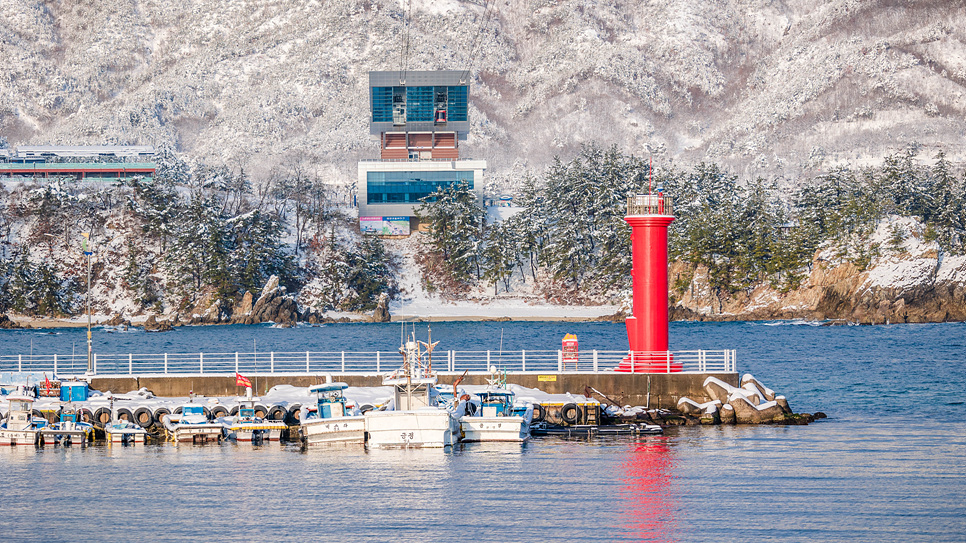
x,y
191,242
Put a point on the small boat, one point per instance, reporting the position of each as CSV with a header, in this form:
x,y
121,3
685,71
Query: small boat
x,y
245,426
331,421
497,418
123,431
191,426
68,430
20,426
416,420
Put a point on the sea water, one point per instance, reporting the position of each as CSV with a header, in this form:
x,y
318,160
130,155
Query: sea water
x,y
889,464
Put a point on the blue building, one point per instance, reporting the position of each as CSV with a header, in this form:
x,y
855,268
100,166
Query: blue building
x,y
420,119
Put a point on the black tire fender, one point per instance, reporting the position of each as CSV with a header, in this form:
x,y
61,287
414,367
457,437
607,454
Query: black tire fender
x,y
161,412
177,410
207,412
219,411
294,415
143,417
539,413
570,413
85,415
260,411
102,416
124,413
233,411
277,413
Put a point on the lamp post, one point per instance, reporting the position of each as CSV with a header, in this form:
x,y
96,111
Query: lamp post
x,y
90,345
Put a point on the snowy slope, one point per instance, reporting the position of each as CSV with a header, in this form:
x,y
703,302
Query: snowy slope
x,y
761,86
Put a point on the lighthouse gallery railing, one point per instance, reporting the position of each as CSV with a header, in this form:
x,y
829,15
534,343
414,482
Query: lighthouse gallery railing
x,y
374,362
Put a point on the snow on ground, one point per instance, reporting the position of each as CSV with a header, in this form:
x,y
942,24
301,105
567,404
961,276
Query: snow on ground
x,y
520,303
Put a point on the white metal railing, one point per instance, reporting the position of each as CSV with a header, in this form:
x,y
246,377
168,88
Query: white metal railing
x,y
348,362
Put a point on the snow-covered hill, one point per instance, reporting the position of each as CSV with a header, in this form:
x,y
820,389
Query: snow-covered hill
x,y
765,87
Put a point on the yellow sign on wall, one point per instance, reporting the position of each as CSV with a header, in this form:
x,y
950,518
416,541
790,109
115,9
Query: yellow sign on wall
x,y
547,378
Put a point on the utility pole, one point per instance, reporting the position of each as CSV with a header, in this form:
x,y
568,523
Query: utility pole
x,y
90,344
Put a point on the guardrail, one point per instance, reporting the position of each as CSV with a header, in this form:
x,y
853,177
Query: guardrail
x,y
374,362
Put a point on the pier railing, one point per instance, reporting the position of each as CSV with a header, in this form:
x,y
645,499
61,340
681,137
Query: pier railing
x,y
374,362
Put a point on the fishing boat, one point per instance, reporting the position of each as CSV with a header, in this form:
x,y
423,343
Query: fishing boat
x,y
497,418
20,426
123,431
416,419
191,426
245,426
68,430
331,421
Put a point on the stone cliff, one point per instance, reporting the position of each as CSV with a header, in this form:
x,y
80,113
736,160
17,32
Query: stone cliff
x,y
911,281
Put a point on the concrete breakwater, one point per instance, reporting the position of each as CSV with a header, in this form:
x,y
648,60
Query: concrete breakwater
x,y
653,390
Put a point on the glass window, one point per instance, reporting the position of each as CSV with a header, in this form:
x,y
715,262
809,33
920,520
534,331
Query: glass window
x,y
382,104
457,108
409,187
419,104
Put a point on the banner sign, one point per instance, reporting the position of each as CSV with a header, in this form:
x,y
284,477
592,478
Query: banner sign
x,y
384,226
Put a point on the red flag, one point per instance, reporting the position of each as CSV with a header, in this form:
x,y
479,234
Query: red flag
x,y
242,381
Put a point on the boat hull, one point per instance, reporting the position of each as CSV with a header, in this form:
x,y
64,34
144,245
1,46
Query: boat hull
x,y
428,428
197,433
18,437
246,433
50,436
125,435
334,430
512,429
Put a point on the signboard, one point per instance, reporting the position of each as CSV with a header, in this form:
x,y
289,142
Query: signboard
x,y
547,378
384,226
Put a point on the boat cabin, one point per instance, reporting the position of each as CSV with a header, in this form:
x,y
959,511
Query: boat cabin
x,y
496,403
19,413
331,401
192,410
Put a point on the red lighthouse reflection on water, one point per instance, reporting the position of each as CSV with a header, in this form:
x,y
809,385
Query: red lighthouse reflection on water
x,y
647,505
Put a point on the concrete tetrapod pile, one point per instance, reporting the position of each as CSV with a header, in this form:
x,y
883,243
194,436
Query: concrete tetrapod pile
x,y
751,403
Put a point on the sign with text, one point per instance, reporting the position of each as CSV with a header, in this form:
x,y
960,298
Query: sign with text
x,y
384,226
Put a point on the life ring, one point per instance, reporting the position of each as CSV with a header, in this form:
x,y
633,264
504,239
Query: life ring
x,y
102,416
159,414
260,411
219,411
143,417
294,415
277,413
570,413
539,413
124,413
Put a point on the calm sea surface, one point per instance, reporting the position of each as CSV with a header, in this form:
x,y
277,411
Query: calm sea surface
x,y
888,465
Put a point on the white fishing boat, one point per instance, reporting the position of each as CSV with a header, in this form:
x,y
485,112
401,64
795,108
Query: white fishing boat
x,y
191,425
247,427
331,420
123,431
20,426
68,430
416,420
496,418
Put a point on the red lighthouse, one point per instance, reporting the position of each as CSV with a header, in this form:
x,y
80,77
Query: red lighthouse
x,y
647,329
